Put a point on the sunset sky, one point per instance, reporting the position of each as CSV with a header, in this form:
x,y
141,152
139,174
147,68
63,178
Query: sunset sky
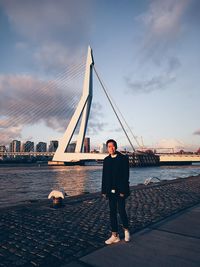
x,y
146,51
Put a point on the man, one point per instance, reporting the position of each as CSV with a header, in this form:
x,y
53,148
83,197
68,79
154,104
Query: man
x,y
115,187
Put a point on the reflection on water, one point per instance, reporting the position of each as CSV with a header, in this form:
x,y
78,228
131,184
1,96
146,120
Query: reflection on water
x,y
77,180
28,183
19,184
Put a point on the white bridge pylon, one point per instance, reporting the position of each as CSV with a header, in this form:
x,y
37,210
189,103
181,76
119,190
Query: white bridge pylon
x,y
82,112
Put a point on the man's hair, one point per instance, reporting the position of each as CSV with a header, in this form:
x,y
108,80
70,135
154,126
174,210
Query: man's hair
x,y
111,141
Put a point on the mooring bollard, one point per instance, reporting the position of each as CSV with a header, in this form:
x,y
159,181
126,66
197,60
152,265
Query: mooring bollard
x,y
57,197
57,202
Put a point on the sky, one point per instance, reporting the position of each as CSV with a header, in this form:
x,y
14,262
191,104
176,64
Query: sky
x,y
146,52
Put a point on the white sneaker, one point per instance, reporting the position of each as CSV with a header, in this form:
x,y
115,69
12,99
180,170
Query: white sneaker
x,y
112,239
127,236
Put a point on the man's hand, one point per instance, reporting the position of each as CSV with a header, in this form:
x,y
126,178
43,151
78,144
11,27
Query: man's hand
x,y
104,195
121,195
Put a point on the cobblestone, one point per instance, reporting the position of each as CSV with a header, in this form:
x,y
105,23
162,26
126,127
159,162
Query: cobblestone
x,y
34,234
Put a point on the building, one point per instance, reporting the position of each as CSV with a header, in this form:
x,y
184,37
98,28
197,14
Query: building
x,y
71,147
103,148
28,146
2,148
53,146
15,146
86,145
41,147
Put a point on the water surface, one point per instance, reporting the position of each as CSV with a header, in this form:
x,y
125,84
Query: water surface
x,y
18,184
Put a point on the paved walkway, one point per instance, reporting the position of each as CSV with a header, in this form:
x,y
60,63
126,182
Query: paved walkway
x,y
34,234
172,242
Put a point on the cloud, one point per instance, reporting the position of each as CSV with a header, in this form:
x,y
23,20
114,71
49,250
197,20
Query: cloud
x,y
9,134
161,27
163,19
50,36
147,86
193,14
54,57
117,129
95,128
170,145
197,132
27,101
166,77
173,64
49,20
21,46
52,33
174,145
95,124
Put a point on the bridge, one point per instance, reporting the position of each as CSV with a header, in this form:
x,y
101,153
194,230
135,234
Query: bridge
x,y
165,159
80,119
82,114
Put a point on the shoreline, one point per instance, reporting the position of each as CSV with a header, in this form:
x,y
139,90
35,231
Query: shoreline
x,y
88,195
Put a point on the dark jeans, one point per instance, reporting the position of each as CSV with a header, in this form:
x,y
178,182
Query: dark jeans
x,y
117,204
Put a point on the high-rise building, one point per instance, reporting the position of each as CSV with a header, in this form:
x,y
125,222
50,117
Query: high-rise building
x,y
41,147
15,146
2,148
86,145
71,147
28,146
53,146
102,148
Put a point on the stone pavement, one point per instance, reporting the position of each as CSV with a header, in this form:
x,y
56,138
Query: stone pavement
x,y
34,234
173,242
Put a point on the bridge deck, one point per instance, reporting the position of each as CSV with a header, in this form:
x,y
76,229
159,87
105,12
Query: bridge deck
x,y
167,158
179,158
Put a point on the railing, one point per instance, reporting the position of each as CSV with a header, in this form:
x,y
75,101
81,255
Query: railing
x,y
34,154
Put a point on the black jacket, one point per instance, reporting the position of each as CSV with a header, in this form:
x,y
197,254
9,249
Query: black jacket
x,y
116,175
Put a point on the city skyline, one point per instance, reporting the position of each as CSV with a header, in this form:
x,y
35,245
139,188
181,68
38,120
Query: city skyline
x,y
30,146
146,52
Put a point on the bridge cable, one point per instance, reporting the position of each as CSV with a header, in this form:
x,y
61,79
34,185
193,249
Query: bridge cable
x,y
45,88
109,99
134,136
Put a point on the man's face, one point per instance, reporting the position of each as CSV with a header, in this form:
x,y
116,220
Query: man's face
x,y
111,148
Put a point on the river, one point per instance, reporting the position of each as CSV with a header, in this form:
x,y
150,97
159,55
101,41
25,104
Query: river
x,y
19,184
